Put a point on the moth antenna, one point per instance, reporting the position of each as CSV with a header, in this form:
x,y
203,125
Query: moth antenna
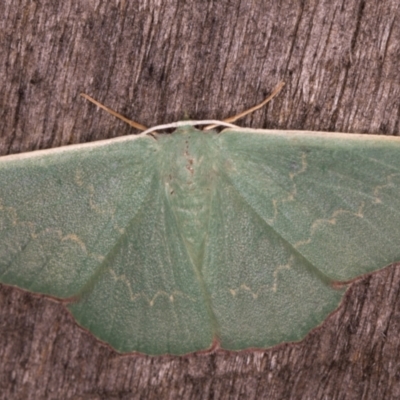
x,y
115,114
234,118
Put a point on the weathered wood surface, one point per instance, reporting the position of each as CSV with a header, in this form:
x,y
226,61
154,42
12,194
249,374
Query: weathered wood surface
x,y
159,61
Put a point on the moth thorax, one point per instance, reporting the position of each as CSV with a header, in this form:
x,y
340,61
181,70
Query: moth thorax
x,y
189,189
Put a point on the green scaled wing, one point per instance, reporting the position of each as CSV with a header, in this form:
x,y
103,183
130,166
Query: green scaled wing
x,y
169,245
91,224
293,214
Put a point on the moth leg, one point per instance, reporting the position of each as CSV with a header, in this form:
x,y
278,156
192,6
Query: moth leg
x,y
115,114
252,109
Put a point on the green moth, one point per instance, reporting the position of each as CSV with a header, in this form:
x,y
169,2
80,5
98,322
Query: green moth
x,y
175,243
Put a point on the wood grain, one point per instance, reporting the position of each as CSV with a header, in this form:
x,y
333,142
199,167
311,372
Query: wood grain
x,y
160,61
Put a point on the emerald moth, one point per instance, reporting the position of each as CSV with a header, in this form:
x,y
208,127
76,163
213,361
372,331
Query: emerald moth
x,y
183,242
